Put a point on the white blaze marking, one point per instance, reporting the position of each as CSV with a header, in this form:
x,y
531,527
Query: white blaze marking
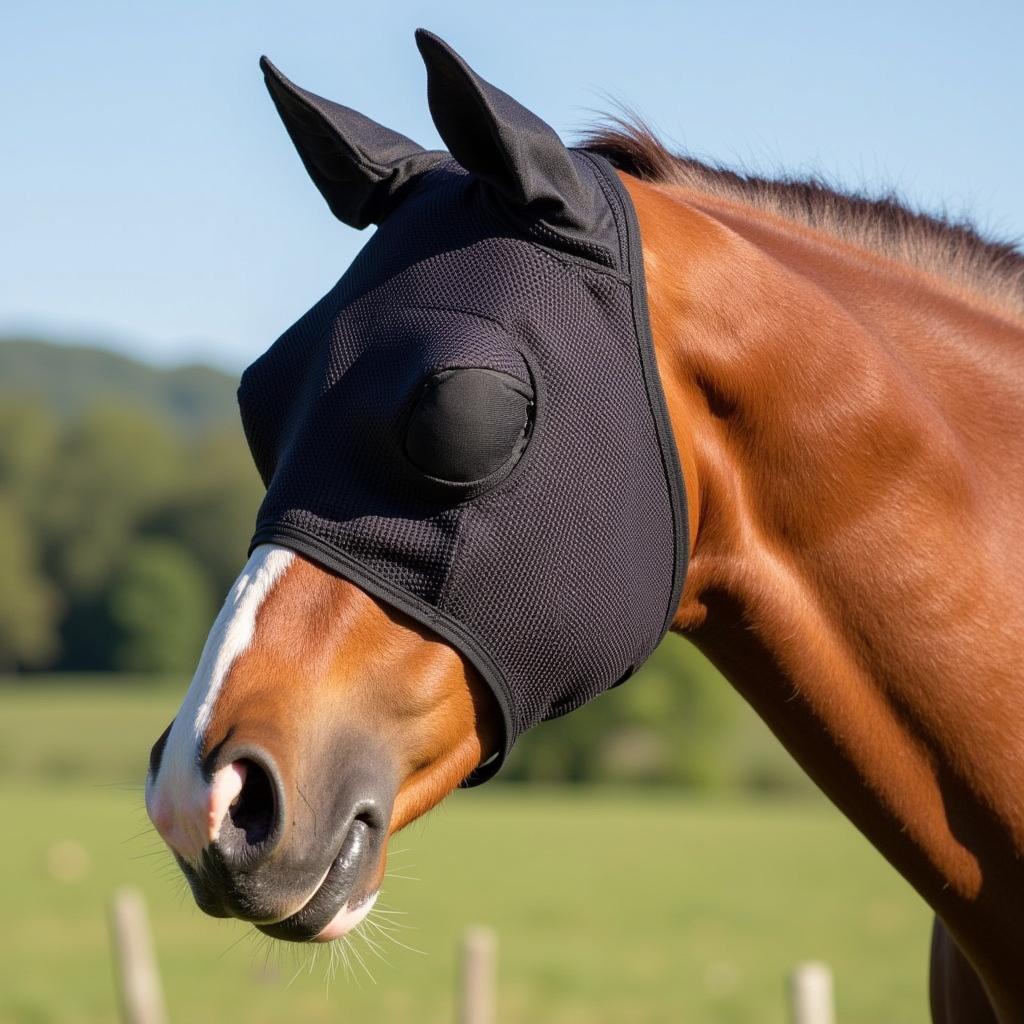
x,y
179,802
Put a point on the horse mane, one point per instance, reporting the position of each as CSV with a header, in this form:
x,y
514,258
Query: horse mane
x,y
953,249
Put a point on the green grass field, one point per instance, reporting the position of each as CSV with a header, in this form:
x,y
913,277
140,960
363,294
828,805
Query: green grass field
x,y
610,907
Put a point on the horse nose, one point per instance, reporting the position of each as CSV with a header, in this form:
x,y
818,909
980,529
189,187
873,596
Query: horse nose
x,y
297,868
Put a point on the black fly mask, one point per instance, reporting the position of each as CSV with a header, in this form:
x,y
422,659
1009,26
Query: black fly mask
x,y
470,424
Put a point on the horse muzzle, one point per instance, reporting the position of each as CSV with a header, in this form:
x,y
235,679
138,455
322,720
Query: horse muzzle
x,y
299,853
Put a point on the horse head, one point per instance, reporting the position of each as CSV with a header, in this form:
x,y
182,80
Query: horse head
x,y
474,516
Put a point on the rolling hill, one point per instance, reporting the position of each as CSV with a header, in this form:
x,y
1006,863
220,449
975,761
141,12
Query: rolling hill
x,y
70,378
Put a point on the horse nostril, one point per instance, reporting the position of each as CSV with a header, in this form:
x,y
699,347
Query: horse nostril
x,y
254,810
251,825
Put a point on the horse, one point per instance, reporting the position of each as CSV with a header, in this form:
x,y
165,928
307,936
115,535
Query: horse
x,y
843,380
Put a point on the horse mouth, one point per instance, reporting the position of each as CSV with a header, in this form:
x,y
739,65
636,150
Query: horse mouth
x,y
333,910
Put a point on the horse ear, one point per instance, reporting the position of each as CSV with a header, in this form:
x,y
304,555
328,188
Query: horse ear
x,y
502,142
358,165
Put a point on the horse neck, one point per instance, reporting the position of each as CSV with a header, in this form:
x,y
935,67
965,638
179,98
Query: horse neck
x,y
838,473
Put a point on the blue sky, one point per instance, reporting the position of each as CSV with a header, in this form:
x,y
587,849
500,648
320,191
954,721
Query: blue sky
x,y
152,201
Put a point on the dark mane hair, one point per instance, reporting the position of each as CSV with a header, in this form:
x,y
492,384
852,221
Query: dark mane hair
x,y
951,249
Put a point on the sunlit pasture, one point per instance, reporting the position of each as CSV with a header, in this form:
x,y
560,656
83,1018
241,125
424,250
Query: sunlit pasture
x,y
610,906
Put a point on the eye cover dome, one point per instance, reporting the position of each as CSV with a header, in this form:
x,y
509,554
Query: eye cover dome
x,y
470,425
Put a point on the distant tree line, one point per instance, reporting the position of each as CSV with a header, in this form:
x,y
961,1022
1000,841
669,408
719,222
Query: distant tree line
x,y
119,535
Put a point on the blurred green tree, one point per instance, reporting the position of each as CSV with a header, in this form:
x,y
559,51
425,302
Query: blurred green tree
x,y
213,511
28,605
159,608
113,467
98,452
29,435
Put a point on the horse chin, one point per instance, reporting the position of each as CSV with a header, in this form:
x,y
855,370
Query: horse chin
x,y
322,919
343,898
298,927
346,920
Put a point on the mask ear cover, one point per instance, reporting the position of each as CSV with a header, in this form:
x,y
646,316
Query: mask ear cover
x,y
519,157
360,167
468,424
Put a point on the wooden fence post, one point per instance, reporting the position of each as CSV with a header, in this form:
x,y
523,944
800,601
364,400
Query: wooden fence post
x,y
138,980
477,976
810,994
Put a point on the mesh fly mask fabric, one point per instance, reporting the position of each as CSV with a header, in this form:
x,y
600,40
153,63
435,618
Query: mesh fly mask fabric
x,y
470,425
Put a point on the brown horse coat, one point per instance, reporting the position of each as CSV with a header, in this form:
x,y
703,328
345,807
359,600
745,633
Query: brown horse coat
x,y
852,432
